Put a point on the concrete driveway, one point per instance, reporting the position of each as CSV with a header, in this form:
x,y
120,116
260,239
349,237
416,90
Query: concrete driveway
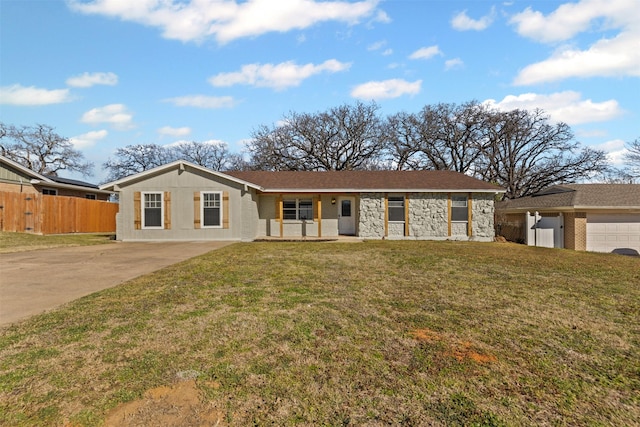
x,y
36,281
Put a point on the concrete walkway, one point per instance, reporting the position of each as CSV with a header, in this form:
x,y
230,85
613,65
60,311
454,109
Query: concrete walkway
x,y
36,281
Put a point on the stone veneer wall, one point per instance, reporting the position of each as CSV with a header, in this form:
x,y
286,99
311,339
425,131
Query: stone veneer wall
x,y
483,228
371,218
428,216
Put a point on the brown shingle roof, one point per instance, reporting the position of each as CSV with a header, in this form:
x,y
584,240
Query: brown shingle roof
x,y
364,181
579,196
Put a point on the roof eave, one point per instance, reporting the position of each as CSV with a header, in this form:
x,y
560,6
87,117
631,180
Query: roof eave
x,y
25,169
115,185
569,208
380,190
53,184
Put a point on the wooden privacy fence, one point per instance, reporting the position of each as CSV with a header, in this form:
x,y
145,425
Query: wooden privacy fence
x,y
35,213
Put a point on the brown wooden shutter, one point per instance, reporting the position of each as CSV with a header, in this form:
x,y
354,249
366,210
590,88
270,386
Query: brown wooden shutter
x,y
167,210
225,209
196,209
137,208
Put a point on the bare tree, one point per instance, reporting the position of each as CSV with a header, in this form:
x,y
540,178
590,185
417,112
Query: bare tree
x,y
342,138
138,158
42,150
214,156
135,158
440,137
404,143
453,137
632,157
527,153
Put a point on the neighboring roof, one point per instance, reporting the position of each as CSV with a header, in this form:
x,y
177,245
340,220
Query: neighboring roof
x,y
178,164
51,181
71,182
578,196
356,181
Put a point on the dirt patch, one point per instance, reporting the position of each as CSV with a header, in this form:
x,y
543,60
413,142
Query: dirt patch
x,y
178,405
460,350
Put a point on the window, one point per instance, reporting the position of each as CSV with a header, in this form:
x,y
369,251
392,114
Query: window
x,y
90,196
346,208
211,210
396,208
49,192
297,209
459,211
152,207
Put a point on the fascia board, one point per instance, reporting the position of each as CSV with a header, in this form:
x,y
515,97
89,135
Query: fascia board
x,y
378,190
179,164
25,170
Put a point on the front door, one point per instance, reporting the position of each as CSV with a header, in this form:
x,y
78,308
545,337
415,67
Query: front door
x,y
346,216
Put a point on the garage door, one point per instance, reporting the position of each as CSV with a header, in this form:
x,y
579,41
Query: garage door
x,y
613,233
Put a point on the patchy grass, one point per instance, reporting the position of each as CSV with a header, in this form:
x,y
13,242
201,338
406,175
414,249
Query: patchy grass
x,y
19,242
413,333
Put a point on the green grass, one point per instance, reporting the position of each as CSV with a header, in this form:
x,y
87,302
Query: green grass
x,y
18,242
377,333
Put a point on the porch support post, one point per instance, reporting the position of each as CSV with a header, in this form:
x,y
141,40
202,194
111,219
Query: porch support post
x,y
319,215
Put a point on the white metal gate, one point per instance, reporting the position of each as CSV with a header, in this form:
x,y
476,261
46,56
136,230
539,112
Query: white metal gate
x,y
545,231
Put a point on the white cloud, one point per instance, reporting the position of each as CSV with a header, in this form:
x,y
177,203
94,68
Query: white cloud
x,y
608,57
619,56
169,131
462,22
202,101
386,89
567,107
377,45
114,114
227,20
216,142
88,139
453,63
92,79
277,76
21,95
426,53
615,150
570,19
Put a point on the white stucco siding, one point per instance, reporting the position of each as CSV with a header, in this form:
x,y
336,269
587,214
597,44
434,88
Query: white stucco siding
x,y
267,225
182,185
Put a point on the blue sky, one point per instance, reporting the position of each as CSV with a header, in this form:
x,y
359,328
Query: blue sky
x,y
110,73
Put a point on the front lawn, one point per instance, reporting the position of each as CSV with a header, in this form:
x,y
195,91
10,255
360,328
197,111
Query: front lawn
x,y
19,242
374,333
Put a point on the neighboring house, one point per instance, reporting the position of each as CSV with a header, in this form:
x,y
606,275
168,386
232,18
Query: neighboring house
x,y
16,178
43,204
183,201
592,217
